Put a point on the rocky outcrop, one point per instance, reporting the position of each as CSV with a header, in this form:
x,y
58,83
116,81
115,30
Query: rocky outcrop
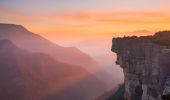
x,y
145,62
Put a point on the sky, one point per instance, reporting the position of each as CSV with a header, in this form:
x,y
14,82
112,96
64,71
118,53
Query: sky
x,y
88,24
86,18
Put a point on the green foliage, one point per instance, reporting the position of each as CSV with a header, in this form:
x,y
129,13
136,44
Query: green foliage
x,y
166,97
119,94
162,38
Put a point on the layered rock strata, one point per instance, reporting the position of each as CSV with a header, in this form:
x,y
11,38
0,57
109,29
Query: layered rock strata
x,y
146,66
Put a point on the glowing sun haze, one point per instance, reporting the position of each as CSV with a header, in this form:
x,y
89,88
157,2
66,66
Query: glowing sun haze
x,y
84,18
89,24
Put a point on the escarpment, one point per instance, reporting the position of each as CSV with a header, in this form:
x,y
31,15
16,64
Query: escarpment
x,y
146,65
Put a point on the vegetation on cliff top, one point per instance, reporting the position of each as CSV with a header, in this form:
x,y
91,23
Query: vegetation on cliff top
x,y
161,38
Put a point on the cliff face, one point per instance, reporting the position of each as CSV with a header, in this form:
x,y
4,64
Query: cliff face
x,y
146,67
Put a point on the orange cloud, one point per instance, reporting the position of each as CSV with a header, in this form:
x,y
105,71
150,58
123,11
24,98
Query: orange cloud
x,y
87,23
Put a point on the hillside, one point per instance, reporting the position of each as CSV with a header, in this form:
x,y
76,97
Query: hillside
x,y
36,76
32,42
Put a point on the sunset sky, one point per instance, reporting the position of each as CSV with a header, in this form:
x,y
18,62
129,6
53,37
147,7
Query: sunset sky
x,y
79,18
88,24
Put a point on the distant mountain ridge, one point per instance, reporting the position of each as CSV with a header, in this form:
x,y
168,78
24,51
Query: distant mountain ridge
x,y
35,43
36,76
71,56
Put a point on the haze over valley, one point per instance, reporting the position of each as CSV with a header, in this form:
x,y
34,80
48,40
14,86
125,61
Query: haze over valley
x,y
64,72
83,49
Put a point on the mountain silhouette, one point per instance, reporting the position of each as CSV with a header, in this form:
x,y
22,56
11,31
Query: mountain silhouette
x,y
35,43
36,76
32,42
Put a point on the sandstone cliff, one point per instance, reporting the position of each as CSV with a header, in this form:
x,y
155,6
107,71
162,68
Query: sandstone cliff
x,y
145,62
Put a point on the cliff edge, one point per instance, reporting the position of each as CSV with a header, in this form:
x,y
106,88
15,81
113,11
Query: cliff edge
x,y
145,62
